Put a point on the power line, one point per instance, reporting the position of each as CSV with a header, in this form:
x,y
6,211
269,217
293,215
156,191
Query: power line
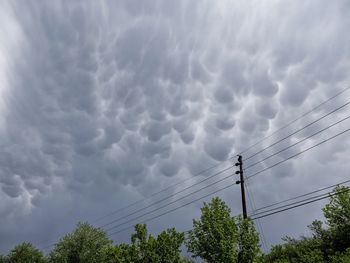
x,y
174,209
259,225
298,142
176,193
299,196
170,203
293,121
159,192
287,205
298,205
299,130
299,153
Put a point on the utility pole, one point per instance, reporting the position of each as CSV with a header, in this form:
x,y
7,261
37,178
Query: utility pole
x,y
241,181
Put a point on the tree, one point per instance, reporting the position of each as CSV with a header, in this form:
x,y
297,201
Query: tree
x,y
85,244
164,249
305,250
218,237
145,248
118,254
25,253
341,257
331,244
337,214
168,245
248,244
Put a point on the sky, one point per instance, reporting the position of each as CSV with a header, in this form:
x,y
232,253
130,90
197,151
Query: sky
x,y
103,103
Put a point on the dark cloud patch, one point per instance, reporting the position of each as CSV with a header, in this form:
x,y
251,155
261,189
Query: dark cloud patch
x,y
266,108
156,130
263,85
218,149
169,167
223,95
234,76
225,123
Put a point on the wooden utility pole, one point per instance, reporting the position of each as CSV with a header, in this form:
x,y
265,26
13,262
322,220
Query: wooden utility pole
x,y
241,181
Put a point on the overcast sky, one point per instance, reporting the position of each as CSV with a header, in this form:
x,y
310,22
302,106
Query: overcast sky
x,y
103,103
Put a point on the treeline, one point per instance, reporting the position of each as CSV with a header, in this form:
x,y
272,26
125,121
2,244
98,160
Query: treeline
x,y
330,243
215,237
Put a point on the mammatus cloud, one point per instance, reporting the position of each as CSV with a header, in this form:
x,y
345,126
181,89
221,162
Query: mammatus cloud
x,y
105,102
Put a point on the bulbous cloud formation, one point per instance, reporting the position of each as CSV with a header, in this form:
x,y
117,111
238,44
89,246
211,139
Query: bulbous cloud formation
x,y
116,99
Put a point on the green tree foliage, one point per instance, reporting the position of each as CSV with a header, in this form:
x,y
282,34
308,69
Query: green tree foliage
x,y
168,245
341,257
144,248
337,214
118,254
331,244
305,250
218,237
24,253
214,237
85,244
248,245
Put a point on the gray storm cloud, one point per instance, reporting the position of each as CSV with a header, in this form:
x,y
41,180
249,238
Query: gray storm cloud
x,y
116,99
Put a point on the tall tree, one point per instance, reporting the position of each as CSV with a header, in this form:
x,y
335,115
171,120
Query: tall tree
x,y
165,248
168,246
25,253
219,237
145,248
85,244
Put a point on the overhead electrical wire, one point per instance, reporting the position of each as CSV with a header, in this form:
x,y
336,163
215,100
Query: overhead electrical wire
x,y
300,196
287,205
170,203
328,195
174,209
284,208
299,153
296,143
174,194
159,192
298,130
293,121
258,223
